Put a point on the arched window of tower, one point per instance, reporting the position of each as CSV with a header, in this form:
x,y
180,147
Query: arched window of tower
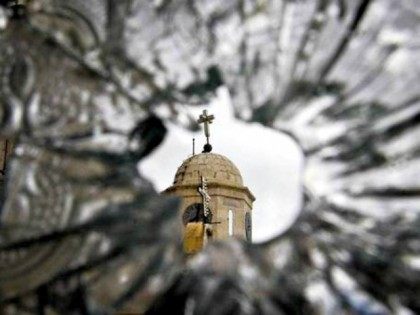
x,y
231,221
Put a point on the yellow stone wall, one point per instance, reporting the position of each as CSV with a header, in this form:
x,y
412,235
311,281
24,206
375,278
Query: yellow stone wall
x,y
193,237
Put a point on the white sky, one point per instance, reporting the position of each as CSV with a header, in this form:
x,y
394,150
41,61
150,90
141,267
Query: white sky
x,y
270,163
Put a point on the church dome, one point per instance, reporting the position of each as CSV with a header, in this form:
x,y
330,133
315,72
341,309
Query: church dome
x,y
214,167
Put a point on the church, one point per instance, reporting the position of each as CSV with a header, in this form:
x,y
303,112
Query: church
x,y
215,203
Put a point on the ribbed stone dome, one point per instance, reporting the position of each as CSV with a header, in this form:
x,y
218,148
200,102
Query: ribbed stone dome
x,y
214,167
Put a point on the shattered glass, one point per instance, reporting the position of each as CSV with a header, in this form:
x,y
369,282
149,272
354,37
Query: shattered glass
x,y
86,87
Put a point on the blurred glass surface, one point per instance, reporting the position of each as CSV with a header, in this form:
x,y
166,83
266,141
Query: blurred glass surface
x,y
86,87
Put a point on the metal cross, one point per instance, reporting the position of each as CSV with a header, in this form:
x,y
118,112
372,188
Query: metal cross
x,y
206,120
206,197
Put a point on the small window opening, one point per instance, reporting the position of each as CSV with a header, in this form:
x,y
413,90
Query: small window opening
x,y
230,222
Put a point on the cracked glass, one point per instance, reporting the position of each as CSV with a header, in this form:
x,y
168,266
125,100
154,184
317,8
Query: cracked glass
x,y
86,88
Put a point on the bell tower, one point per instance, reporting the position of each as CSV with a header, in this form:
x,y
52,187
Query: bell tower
x,y
215,203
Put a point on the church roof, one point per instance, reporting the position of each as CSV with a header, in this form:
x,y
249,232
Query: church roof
x,y
215,168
